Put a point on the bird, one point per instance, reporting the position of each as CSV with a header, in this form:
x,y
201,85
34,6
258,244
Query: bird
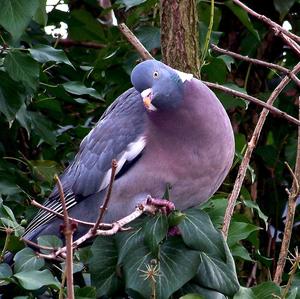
x,y
168,129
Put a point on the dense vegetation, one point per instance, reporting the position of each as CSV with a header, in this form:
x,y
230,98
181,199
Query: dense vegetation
x,y
52,92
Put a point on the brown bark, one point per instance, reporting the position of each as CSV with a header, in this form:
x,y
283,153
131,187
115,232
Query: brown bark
x,y
179,35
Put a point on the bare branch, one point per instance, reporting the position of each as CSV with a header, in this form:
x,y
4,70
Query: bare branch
x,y
252,99
293,195
103,208
38,205
257,61
68,232
67,43
275,27
251,145
135,42
115,227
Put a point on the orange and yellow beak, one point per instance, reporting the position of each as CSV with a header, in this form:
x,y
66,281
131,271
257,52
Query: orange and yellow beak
x,y
147,99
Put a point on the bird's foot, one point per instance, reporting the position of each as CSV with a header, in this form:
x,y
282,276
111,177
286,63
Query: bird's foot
x,y
164,205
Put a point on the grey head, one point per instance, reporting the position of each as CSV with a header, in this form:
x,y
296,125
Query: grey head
x,y
160,86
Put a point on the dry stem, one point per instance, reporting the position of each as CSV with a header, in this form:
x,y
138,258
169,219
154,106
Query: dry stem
x,y
251,145
113,229
103,208
275,27
252,99
293,195
135,42
257,61
68,232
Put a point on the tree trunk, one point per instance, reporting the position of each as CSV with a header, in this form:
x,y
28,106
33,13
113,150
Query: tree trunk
x,y
179,35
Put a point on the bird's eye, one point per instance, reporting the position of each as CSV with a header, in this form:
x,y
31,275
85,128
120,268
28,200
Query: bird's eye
x,y
155,75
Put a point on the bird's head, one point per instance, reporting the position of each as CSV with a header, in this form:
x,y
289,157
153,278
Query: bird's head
x,y
161,87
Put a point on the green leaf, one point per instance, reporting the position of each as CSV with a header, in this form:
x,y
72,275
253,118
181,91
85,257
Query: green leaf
x,y
240,231
11,98
176,266
283,7
21,67
130,3
44,169
27,260
228,60
199,233
5,271
217,275
44,53
216,70
7,218
193,289
79,88
85,293
155,231
33,280
103,265
42,127
240,251
192,296
253,205
243,17
41,16
15,15
149,36
49,241
264,290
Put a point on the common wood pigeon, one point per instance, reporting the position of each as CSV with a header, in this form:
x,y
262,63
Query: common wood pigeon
x,y
168,129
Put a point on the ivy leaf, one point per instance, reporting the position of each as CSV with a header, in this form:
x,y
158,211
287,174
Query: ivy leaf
x,y
34,280
176,266
44,53
21,67
217,275
27,260
192,289
103,264
49,241
199,233
5,271
155,231
15,15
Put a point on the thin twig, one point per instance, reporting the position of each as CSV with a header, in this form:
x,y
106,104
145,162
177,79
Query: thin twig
x,y
251,145
252,99
293,195
276,27
67,43
103,208
39,246
38,205
257,61
135,42
68,232
252,278
116,226
292,44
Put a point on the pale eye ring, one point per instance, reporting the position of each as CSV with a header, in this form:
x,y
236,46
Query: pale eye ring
x,y
155,74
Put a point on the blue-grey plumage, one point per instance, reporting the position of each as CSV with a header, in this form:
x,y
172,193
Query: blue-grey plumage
x,y
169,129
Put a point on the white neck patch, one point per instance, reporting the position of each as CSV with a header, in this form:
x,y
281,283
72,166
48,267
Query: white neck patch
x,y
184,76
